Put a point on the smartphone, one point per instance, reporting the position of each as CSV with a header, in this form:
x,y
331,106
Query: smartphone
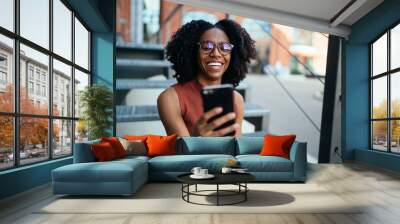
x,y
219,96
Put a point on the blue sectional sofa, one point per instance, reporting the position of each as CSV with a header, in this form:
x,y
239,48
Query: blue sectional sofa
x,y
125,176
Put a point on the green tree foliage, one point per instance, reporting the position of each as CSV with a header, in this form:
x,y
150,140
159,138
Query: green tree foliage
x,y
96,102
380,127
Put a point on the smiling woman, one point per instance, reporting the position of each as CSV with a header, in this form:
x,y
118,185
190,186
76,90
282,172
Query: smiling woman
x,y
204,54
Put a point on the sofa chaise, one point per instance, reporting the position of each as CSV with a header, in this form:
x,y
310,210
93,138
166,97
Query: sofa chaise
x,y
125,176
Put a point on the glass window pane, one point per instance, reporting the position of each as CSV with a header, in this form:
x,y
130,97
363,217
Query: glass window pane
x,y
379,135
6,142
7,14
379,97
379,55
81,131
6,74
395,47
35,21
81,45
62,138
81,81
395,136
33,139
34,97
62,29
62,89
395,94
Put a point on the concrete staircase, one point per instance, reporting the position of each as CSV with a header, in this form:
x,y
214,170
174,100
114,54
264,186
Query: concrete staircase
x,y
141,61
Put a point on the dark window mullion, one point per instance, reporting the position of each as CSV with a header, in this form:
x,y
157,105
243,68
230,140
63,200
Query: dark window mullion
x,y
50,77
371,137
73,82
40,116
89,55
384,119
16,84
7,33
386,73
389,113
84,70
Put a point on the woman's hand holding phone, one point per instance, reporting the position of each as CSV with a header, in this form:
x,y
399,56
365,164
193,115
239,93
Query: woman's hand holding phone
x,y
205,128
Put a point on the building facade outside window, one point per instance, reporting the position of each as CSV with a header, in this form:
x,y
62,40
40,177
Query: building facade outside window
x,y
3,72
3,78
385,91
46,126
30,88
30,72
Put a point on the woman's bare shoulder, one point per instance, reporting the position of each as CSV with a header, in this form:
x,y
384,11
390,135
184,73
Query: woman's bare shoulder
x,y
238,97
168,94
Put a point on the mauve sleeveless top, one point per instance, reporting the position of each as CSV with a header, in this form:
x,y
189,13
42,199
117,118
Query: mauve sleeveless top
x,y
190,102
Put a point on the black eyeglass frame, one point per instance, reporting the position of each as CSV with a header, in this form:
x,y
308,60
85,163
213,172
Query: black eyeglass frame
x,y
215,45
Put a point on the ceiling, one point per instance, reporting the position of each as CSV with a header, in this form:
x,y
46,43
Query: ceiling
x,y
326,16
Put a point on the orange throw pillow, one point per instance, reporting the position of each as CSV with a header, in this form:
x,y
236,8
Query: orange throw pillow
x,y
275,145
103,152
116,145
161,145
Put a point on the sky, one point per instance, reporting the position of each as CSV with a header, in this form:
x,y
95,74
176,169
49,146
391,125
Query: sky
x,y
379,62
395,45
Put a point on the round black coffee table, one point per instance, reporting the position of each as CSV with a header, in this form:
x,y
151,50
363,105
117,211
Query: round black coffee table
x,y
238,179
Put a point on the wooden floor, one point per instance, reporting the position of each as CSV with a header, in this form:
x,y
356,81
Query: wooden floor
x,y
377,188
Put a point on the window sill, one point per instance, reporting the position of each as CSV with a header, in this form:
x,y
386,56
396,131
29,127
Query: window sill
x,y
26,167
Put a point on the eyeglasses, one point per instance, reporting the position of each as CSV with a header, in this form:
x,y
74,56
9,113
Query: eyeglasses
x,y
208,46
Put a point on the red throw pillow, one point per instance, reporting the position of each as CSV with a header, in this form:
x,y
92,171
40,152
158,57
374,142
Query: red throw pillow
x,y
116,145
161,145
277,145
103,152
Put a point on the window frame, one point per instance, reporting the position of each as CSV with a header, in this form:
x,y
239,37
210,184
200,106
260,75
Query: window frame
x,y
16,114
388,74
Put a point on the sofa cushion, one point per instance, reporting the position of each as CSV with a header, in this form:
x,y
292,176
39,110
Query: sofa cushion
x,y
249,145
257,163
206,145
83,152
185,163
134,157
112,171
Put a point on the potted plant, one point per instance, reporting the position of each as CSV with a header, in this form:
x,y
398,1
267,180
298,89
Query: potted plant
x,y
96,103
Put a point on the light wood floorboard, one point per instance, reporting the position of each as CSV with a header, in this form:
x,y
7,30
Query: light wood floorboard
x,y
377,189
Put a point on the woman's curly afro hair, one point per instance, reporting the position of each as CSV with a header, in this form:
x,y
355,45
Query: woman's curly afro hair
x,y
182,50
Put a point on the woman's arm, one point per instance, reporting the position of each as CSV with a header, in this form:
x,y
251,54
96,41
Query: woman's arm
x,y
170,113
238,108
